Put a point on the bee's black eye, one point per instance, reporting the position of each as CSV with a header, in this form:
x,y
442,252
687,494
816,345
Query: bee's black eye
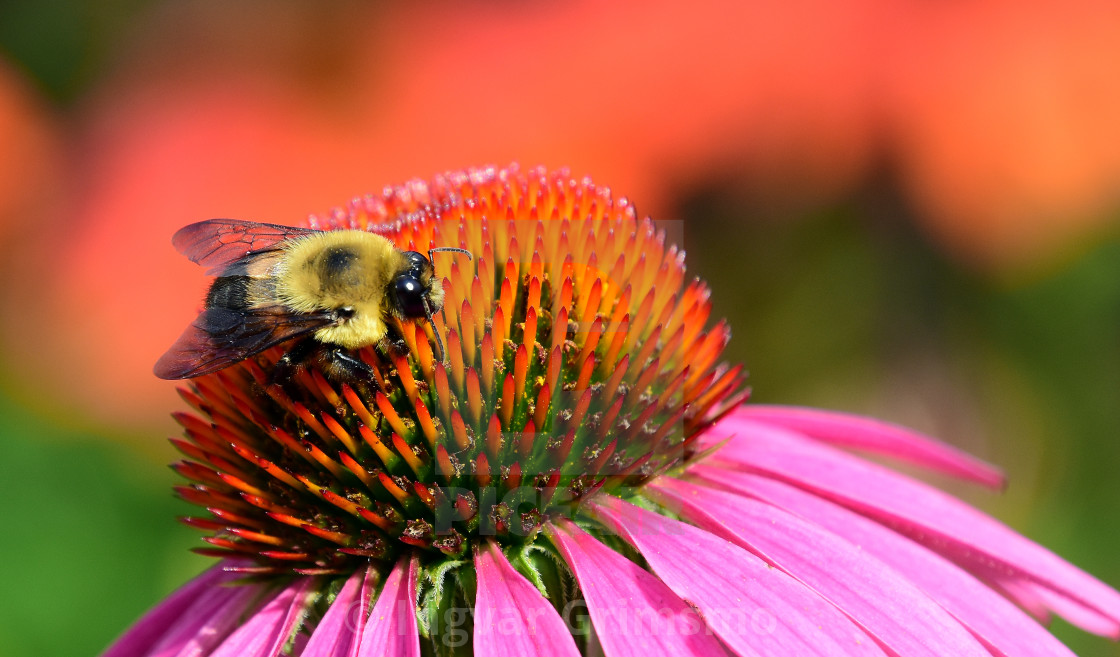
x,y
417,260
408,296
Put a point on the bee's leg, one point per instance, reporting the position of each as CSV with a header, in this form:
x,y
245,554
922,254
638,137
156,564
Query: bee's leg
x,y
343,365
291,362
335,362
394,343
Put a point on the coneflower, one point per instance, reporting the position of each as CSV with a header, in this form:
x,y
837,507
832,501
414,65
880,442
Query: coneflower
x,y
579,476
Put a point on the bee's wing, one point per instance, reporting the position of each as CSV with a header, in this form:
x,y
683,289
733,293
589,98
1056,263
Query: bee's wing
x,y
218,243
221,337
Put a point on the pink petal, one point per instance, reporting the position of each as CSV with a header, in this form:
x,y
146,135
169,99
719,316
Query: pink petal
x,y
883,602
269,628
753,608
512,618
208,622
1077,613
1039,601
391,629
1023,593
874,436
634,613
932,517
988,615
337,633
149,630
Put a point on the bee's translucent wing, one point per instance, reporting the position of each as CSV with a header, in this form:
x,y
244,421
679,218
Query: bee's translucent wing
x,y
218,243
221,337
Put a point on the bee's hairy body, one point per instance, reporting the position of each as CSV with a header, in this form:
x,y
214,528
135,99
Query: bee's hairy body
x,y
328,293
329,271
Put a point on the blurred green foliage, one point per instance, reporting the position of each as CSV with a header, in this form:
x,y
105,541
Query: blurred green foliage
x,y
61,44
90,539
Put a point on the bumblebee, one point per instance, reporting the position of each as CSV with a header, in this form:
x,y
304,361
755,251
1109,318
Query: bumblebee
x,y
331,292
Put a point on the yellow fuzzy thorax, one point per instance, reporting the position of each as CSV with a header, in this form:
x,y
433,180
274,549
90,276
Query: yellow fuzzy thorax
x,y
305,282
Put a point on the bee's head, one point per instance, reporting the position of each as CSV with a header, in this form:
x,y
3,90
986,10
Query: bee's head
x,y
412,291
416,293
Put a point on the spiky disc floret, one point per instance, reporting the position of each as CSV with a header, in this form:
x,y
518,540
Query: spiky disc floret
x,y
579,362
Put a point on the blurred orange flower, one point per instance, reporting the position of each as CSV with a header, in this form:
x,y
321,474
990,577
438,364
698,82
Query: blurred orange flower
x,y
30,197
179,137
28,155
1002,118
997,115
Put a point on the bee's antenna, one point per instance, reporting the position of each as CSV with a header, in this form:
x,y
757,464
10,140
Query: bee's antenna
x,y
435,331
428,309
453,249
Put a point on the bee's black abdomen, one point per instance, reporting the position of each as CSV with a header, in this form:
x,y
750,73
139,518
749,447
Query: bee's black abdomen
x,y
220,323
229,292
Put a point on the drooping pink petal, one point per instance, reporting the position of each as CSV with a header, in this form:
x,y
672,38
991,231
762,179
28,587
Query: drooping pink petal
x,y
753,608
150,629
1076,613
208,622
882,601
872,435
1023,593
511,617
947,525
337,633
391,628
997,622
1040,601
633,612
269,628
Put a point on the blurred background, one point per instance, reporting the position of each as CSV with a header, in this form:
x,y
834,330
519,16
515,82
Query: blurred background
x,y
906,208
